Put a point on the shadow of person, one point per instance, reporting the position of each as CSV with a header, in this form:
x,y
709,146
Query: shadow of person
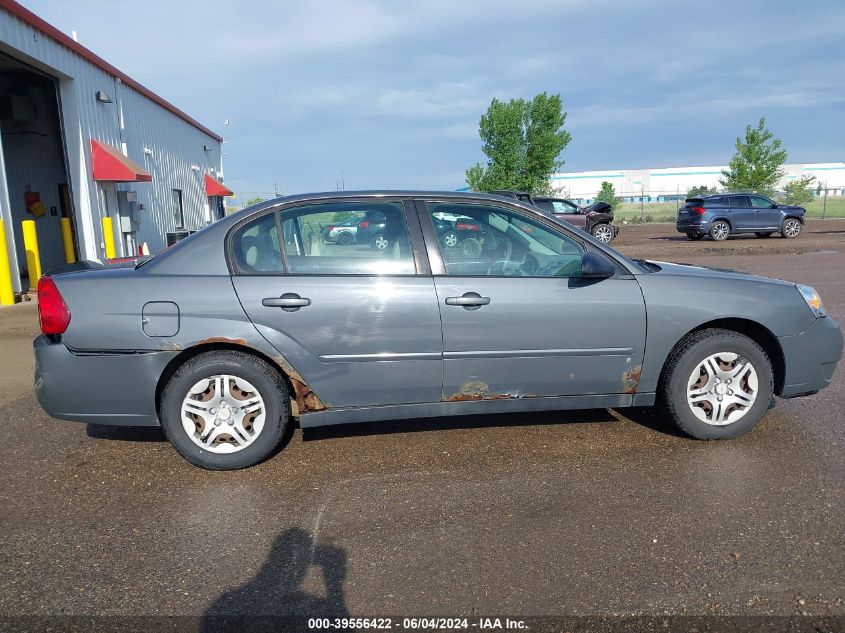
x,y
275,598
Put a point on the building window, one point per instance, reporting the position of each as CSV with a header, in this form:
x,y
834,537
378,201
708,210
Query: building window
x,y
178,211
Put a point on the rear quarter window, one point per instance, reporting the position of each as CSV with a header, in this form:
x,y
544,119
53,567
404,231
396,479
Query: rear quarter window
x,y
714,202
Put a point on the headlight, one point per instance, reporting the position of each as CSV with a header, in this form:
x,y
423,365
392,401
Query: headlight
x,y
814,301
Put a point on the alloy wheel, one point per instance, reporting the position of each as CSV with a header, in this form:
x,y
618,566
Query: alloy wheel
x,y
380,242
722,388
792,228
603,233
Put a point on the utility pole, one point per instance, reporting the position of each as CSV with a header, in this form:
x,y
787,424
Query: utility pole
x,y
275,191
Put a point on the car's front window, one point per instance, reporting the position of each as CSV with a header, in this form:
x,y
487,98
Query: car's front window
x,y
561,206
760,202
506,244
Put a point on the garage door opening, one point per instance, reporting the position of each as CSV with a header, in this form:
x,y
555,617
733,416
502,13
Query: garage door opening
x,y
35,174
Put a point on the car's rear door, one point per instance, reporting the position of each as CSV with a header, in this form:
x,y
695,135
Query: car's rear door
x,y
518,321
360,324
741,214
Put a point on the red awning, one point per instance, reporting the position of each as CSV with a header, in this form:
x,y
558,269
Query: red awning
x,y
214,188
111,165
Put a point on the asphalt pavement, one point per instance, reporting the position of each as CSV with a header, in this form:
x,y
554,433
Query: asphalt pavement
x,y
574,513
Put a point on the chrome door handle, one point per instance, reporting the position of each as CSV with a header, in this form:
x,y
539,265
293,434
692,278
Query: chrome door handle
x,y
469,301
289,302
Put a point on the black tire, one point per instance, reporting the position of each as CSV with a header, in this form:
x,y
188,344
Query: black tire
x,y
471,247
694,236
345,238
450,239
791,228
689,353
603,233
764,234
270,385
378,242
719,231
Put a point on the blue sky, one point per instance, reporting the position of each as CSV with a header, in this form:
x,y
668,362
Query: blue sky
x,y
390,93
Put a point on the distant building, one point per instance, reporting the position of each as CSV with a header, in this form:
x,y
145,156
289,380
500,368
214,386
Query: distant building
x,y
82,140
669,183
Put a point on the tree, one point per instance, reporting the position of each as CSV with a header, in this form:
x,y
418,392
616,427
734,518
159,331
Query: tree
x,y
608,195
798,191
253,201
703,190
522,140
756,165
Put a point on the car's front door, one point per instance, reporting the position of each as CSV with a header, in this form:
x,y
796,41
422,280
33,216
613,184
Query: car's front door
x,y
741,214
358,323
519,321
766,214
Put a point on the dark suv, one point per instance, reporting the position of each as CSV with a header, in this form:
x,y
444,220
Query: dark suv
x,y
721,215
596,219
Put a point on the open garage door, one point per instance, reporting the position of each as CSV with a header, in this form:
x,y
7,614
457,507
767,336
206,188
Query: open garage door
x,y
35,171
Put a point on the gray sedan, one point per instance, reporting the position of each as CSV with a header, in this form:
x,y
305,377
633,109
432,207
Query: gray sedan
x,y
229,335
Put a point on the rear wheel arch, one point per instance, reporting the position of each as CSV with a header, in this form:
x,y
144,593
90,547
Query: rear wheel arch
x,y
188,353
757,332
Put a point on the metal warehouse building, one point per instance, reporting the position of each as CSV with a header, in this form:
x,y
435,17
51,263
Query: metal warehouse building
x,y
84,142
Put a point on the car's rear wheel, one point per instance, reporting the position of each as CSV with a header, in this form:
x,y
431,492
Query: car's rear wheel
x,y
719,231
603,233
694,236
224,410
764,234
380,242
791,228
717,384
450,239
345,238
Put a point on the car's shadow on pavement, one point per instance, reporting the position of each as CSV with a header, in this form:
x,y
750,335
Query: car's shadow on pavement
x,y
417,425
653,418
275,594
125,433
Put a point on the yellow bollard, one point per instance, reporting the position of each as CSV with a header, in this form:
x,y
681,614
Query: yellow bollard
x,y
7,294
33,259
67,238
108,237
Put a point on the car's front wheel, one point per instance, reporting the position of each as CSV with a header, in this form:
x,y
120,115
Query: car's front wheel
x,y
719,231
791,228
603,233
717,384
224,410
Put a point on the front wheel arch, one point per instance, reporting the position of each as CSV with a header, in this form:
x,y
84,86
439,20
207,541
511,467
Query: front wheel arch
x,y
757,332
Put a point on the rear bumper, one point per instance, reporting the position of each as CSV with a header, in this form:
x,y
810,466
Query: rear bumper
x,y
811,358
688,225
100,388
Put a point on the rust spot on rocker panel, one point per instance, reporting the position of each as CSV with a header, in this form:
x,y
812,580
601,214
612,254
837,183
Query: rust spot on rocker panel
x,y
477,390
305,398
631,378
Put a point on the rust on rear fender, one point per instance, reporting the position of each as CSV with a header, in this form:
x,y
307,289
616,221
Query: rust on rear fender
x,y
631,379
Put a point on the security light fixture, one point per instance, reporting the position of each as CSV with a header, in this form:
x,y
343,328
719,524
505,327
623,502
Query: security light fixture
x,y
103,97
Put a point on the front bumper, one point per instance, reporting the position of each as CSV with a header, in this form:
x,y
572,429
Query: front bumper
x,y
811,358
100,388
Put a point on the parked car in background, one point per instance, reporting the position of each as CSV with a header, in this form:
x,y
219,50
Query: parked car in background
x,y
543,317
725,214
457,231
342,233
596,219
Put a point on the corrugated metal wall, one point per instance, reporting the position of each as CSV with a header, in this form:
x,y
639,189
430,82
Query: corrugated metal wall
x,y
175,144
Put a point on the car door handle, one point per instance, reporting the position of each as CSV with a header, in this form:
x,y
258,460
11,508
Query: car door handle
x,y
469,301
289,302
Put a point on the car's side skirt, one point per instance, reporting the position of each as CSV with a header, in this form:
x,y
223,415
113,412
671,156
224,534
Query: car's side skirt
x,y
470,407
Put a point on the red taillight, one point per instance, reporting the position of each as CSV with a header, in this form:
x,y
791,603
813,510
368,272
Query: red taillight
x,y
466,226
52,309
363,224
698,210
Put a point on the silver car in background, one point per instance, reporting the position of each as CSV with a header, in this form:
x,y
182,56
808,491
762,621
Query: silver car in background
x,y
257,320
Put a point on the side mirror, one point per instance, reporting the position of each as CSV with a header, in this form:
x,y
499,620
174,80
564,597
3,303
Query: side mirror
x,y
594,266
774,205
